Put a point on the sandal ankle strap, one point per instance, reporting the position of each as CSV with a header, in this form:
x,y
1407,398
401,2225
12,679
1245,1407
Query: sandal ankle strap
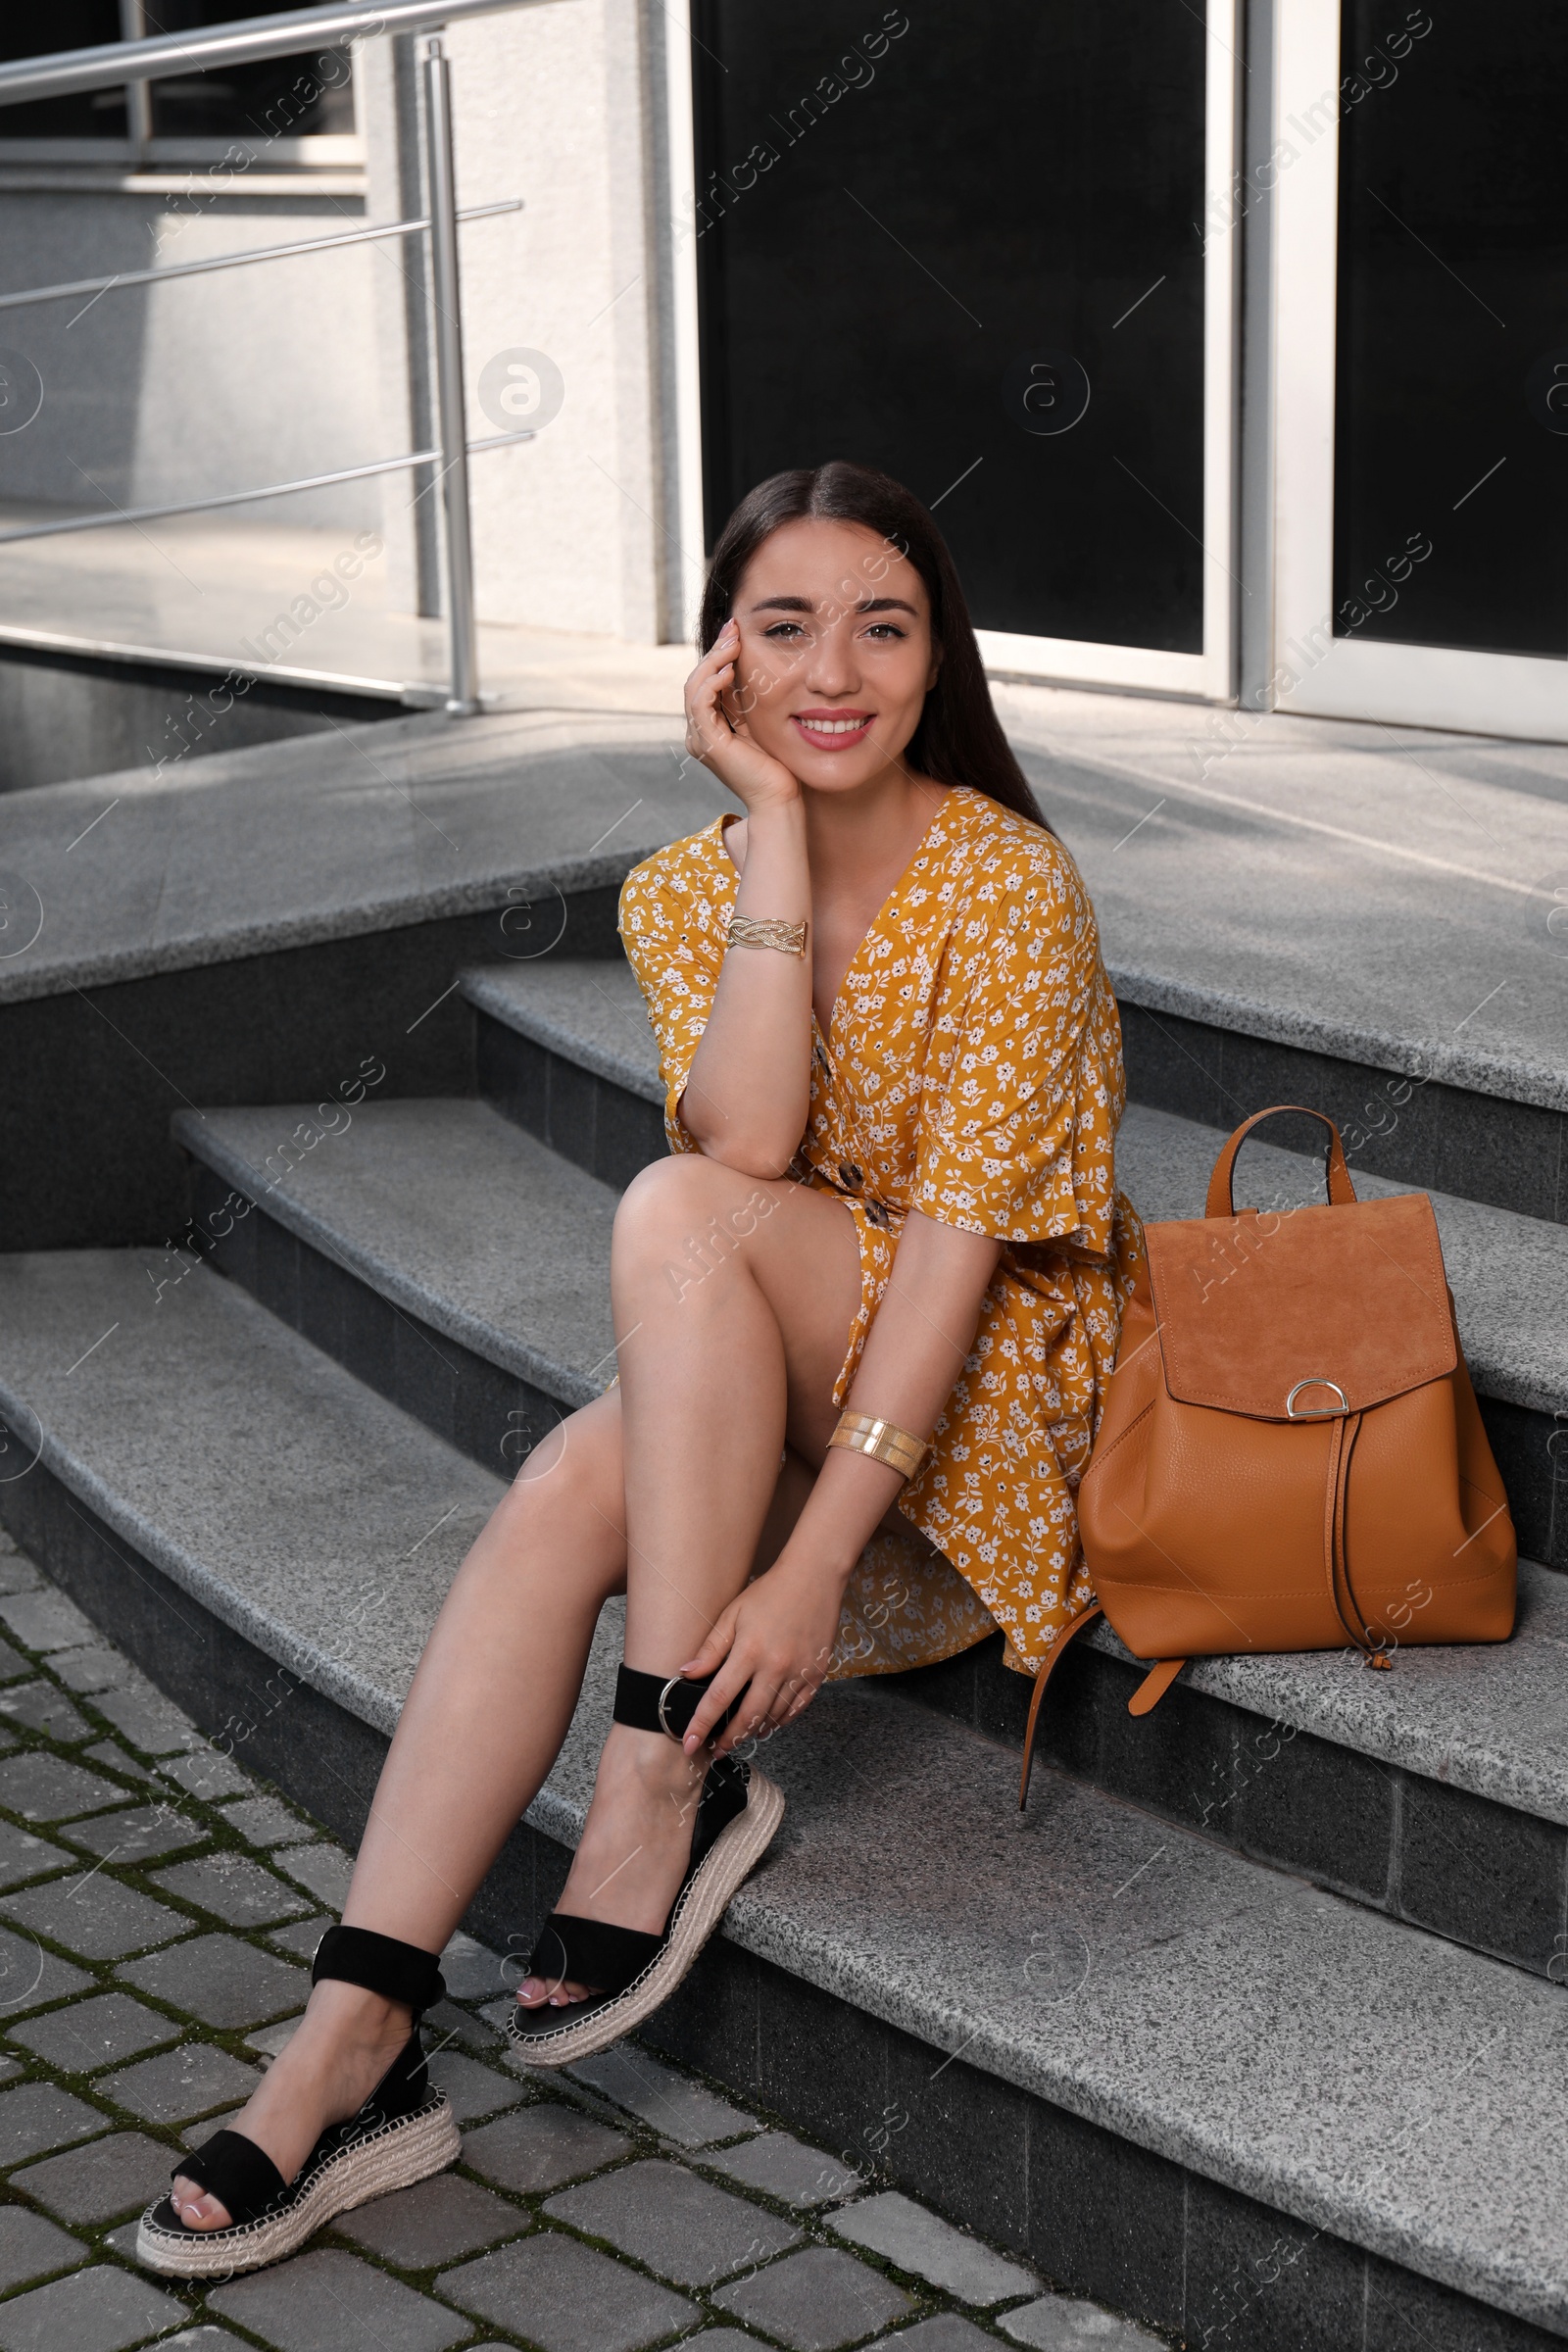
x,y
655,1702
397,1972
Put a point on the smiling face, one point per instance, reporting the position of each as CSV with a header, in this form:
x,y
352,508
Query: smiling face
x,y
836,653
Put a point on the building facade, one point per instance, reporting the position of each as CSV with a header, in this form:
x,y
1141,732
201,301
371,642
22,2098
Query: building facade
x,y
1224,340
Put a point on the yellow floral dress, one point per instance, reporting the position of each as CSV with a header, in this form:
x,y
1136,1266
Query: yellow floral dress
x,y
972,1070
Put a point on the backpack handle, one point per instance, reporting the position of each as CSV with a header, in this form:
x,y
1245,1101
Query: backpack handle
x,y
1222,1200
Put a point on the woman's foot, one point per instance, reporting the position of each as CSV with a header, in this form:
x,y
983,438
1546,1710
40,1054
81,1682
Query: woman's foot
x,y
344,2044
636,1846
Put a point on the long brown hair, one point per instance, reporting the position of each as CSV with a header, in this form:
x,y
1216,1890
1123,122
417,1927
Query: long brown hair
x,y
959,737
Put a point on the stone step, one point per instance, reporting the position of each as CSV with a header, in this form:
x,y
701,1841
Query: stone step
x,y
458,1266
1187,2085
1437,1794
273,923
1292,910
449,1259
1299,910
565,1050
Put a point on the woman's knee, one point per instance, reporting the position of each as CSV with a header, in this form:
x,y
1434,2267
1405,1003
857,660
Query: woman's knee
x,y
683,1218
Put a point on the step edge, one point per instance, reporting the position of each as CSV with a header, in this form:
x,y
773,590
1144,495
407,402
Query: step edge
x,y
1459,1765
1498,1076
1511,1078
1505,1386
1494,1375
1289,2189
503,1348
1296,2191
476,986
757,1928
399,909
344,1685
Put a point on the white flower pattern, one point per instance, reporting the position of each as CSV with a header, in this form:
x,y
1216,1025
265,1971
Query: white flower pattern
x,y
972,1070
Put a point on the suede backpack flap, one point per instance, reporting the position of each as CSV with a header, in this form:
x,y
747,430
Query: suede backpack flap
x,y
1251,1306
1291,1457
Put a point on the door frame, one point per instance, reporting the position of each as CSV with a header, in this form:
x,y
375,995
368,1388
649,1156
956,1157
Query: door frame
x,y
1311,670
1210,676
669,34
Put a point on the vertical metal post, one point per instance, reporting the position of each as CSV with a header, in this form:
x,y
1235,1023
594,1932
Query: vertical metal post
x,y
452,428
138,94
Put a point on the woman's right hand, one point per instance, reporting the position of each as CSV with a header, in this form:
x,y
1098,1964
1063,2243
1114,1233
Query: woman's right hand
x,y
722,741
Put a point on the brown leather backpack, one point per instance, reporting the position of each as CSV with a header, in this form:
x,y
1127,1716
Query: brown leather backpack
x,y
1291,1456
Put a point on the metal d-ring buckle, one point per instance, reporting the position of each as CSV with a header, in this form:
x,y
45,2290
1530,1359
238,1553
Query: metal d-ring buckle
x,y
1325,1413
665,1723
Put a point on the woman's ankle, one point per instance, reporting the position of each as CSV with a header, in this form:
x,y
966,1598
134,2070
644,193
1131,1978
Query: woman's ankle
x,y
355,2017
650,1758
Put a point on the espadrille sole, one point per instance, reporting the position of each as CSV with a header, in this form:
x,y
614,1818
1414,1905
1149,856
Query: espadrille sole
x,y
395,2156
734,1854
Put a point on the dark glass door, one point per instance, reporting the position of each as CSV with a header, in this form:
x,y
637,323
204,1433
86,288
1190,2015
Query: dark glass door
x,y
964,245
1451,520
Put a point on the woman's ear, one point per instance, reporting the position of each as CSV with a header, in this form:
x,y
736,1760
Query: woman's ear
x,y
936,665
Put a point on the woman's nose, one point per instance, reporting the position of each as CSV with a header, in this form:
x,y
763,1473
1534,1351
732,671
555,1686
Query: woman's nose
x,y
832,669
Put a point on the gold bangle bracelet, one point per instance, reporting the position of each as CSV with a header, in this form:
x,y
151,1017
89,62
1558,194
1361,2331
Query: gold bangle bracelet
x,y
883,1441
761,931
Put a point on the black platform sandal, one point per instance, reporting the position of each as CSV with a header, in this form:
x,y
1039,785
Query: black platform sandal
x,y
737,1813
404,2132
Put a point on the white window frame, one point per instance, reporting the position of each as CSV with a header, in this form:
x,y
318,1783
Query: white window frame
x,y
1360,678
679,235
328,151
1209,675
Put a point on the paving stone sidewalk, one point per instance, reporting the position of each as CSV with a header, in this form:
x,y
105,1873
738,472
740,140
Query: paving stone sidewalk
x,y
158,1906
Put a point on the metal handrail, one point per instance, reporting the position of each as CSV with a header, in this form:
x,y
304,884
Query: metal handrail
x,y
245,497
256,252
125,61
64,71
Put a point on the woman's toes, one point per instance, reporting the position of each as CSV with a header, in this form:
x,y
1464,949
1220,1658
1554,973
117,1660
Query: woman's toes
x,y
563,1995
534,1992
195,2208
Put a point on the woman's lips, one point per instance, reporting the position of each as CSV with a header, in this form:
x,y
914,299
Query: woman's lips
x,y
833,730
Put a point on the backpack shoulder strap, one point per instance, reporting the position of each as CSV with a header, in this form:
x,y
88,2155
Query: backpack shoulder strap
x,y
1048,1668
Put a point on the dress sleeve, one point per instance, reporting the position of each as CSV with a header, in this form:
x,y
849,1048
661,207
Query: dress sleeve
x,y
671,928
1021,1088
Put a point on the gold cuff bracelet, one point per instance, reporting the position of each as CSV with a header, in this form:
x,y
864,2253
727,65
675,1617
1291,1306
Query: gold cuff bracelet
x,y
883,1441
759,931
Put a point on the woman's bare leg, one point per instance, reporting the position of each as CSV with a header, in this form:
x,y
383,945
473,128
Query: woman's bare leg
x,y
481,1726
496,1687
733,1301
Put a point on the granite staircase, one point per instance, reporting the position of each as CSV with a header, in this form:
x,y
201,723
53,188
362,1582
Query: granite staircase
x,y
1252,2026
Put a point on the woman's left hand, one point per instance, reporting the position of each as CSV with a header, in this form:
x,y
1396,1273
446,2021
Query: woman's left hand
x,y
774,1643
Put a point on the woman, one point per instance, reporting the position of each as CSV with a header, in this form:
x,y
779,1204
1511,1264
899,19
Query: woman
x,y
866,1310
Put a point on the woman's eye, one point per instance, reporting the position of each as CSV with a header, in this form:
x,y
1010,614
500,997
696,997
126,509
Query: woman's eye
x,y
885,628
784,628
